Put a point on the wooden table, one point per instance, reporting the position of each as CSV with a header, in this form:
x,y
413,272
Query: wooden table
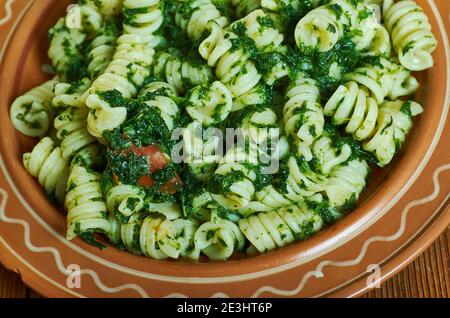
x,y
427,276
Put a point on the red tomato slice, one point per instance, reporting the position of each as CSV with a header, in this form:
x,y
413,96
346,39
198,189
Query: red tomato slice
x,y
171,186
146,181
157,159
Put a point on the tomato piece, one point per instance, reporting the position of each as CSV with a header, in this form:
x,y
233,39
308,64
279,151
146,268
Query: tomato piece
x,y
157,159
146,181
171,186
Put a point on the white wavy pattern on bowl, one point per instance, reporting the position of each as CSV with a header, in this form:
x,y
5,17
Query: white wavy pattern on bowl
x,y
8,11
317,272
57,255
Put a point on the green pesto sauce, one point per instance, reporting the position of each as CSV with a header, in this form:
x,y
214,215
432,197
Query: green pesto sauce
x,y
339,140
130,15
222,183
164,175
128,167
328,214
307,230
292,11
106,181
408,47
317,65
89,237
265,22
406,108
34,124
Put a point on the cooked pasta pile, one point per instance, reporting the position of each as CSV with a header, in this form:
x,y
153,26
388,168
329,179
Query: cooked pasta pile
x,y
326,85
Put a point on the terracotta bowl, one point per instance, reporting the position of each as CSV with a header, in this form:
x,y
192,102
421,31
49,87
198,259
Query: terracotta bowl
x,y
404,209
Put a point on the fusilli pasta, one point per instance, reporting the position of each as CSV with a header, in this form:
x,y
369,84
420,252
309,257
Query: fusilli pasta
x,y
280,106
31,113
181,73
267,231
324,26
86,209
411,34
47,164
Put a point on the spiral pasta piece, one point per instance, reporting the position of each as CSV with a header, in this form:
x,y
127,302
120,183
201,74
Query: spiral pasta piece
x,y
262,28
267,231
321,28
352,106
114,234
346,182
219,239
301,180
70,95
181,73
194,16
127,70
101,50
264,31
303,115
210,105
237,171
244,7
240,192
107,7
125,200
202,150
143,17
232,65
385,79
161,238
46,163
168,110
88,156
262,140
65,61
31,113
91,19
126,73
328,156
127,234
393,124
86,208
72,131
411,34
158,89
155,235
382,127
130,64
381,43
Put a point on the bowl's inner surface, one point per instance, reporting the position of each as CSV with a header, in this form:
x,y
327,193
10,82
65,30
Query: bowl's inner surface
x,y
30,53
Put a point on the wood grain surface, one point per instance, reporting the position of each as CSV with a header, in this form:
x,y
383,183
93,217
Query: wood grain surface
x,y
428,276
